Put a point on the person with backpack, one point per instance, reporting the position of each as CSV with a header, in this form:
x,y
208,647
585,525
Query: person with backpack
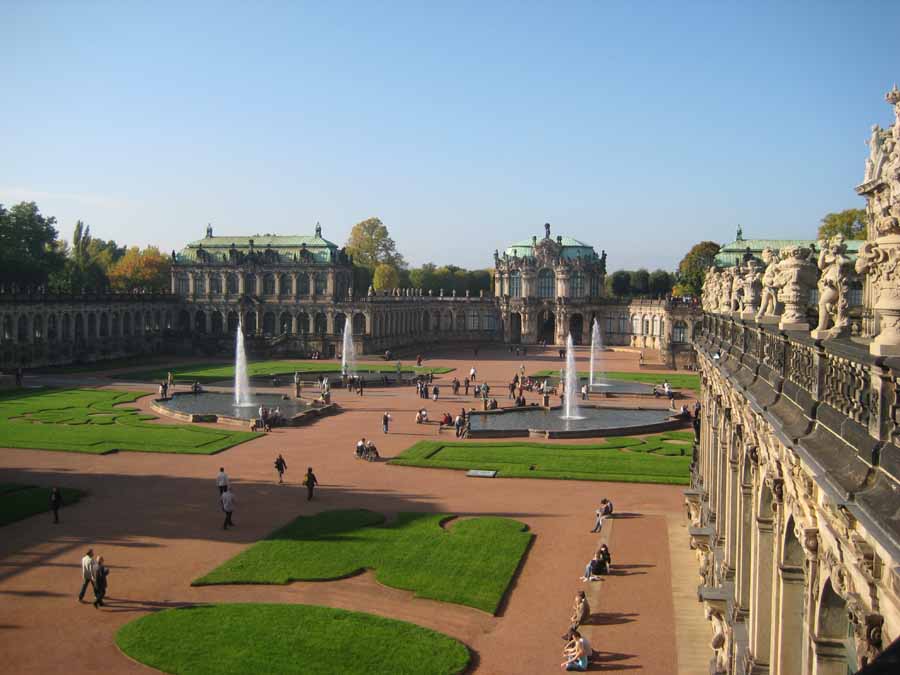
x,y
310,482
280,467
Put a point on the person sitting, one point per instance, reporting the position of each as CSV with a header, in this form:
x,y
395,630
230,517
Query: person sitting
x,y
371,452
685,414
424,414
593,569
418,417
605,559
575,653
361,448
581,610
493,405
606,507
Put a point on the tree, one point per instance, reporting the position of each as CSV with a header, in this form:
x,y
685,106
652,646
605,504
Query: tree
x,y
385,277
141,270
661,283
692,268
29,253
640,281
620,283
87,263
851,223
370,245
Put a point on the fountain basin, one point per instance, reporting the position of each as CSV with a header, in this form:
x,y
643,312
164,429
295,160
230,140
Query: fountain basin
x,y
548,423
210,406
611,387
370,378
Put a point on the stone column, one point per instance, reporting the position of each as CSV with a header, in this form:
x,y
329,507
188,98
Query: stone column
x,y
258,284
277,284
191,284
207,286
172,281
223,281
294,285
329,290
312,284
761,583
242,283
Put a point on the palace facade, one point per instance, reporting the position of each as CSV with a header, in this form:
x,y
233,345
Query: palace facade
x,y
795,496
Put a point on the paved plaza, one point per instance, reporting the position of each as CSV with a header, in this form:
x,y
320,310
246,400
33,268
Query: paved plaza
x,y
155,519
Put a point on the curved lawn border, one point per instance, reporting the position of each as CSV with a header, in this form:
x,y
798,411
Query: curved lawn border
x,y
233,639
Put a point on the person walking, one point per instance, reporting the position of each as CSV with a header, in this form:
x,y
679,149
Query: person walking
x,y
310,482
297,384
101,571
467,386
280,467
359,386
87,572
227,499
55,503
385,422
222,480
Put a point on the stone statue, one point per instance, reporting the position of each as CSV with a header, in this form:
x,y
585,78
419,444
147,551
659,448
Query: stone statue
x,y
794,278
768,304
736,303
879,257
726,279
209,231
546,230
834,288
709,293
740,234
752,283
318,230
603,262
874,144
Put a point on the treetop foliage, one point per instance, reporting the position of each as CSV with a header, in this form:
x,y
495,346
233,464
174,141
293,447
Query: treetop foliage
x,y
852,223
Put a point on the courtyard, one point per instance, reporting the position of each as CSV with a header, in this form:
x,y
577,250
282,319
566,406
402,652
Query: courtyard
x,y
377,539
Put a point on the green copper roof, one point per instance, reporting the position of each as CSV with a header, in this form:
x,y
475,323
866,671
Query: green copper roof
x,y
571,248
732,253
286,246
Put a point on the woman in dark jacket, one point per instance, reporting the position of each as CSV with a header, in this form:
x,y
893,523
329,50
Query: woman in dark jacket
x,y
101,571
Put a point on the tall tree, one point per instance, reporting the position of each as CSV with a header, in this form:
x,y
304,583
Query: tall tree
x,y
370,245
640,281
620,283
692,268
141,270
385,277
850,223
661,283
29,253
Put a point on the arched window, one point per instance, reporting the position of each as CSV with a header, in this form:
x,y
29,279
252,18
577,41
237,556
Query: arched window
x,y
679,332
181,284
656,325
321,283
303,284
200,284
636,324
577,286
515,284
215,284
269,284
595,285
546,284
231,284
623,324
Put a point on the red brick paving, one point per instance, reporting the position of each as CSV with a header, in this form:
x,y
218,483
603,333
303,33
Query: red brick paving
x,y
155,520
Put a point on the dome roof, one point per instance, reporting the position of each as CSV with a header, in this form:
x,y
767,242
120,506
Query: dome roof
x,y
570,248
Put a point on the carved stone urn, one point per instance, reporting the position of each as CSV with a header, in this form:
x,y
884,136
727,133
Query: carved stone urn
x,y
752,280
795,278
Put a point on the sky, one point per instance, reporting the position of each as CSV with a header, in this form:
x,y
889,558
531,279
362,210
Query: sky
x,y
639,128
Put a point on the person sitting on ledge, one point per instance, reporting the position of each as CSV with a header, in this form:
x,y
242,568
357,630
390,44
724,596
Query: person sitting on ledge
x,y
493,405
605,558
196,388
593,569
581,611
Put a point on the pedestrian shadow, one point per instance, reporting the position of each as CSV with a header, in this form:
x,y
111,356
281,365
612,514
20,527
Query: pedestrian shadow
x,y
112,604
611,618
609,662
625,516
35,594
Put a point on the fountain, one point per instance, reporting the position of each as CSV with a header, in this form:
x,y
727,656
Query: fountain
x,y
570,379
596,347
348,352
242,396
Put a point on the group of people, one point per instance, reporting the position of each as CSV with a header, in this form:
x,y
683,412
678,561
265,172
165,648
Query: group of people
x,y
423,390
366,450
94,573
577,651
354,383
268,418
518,350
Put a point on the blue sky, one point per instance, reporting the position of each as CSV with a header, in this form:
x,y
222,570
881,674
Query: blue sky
x,y
640,128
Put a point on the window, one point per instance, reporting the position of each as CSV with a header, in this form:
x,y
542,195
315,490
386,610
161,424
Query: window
x,y
515,284
623,324
474,321
321,283
610,325
546,284
215,284
490,322
646,325
855,297
656,325
679,332
636,325
577,289
303,284
595,285
181,284
232,284
269,284
199,284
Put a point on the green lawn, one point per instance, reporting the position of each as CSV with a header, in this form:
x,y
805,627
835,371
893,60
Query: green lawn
x,y
86,420
469,562
218,372
258,638
676,380
663,458
21,501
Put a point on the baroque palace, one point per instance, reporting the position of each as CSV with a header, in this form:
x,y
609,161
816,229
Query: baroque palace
x,y
294,294
795,495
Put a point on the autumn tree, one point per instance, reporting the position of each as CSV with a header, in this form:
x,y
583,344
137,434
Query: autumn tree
x,y
851,223
141,270
692,268
386,277
371,245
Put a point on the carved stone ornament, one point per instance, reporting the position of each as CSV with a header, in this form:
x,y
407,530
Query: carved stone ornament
x,y
834,289
768,303
879,257
752,283
726,282
794,278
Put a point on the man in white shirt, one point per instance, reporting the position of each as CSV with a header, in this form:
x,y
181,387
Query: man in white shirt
x,y
472,374
222,480
87,572
227,500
